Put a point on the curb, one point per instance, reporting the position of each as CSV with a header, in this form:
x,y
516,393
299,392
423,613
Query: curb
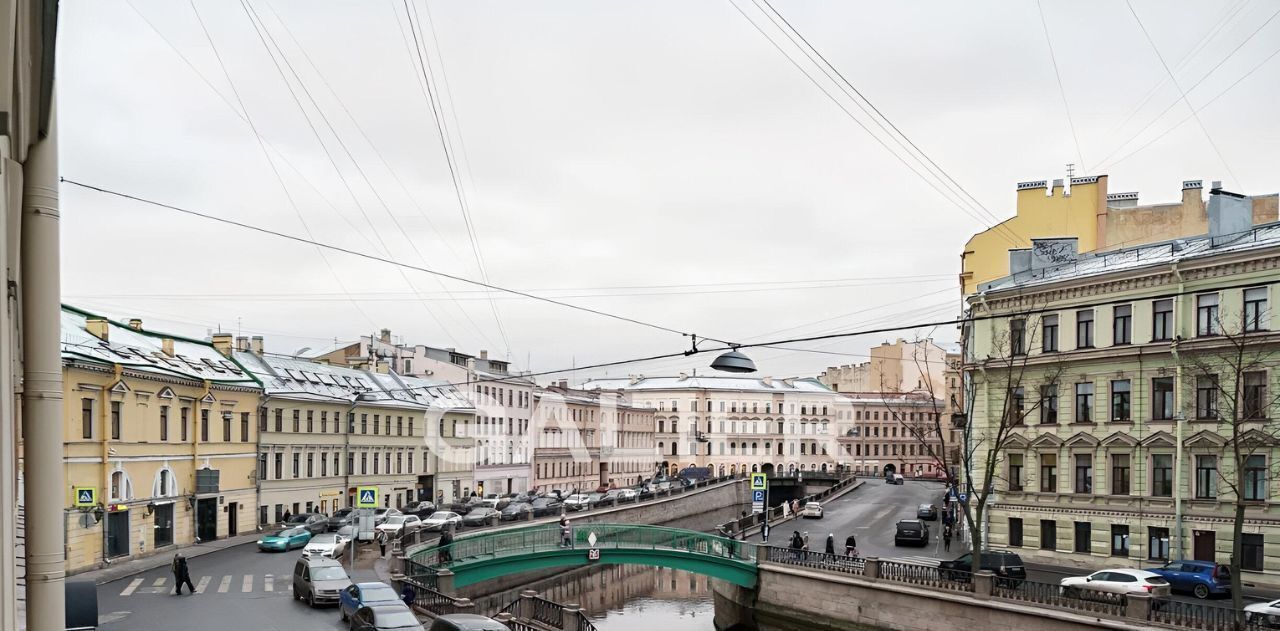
x,y
133,567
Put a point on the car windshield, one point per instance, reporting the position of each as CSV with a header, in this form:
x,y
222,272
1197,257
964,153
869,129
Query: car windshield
x,y
440,515
297,519
395,519
325,538
397,620
328,574
478,512
281,533
379,594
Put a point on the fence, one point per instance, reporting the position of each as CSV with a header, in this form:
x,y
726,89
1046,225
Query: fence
x,y
819,560
428,599
1200,616
530,610
1056,596
926,575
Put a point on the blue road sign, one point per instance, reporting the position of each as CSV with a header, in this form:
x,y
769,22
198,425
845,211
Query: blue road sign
x,y
964,496
757,496
367,497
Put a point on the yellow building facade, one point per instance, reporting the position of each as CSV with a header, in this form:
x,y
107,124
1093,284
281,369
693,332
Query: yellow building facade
x,y
159,441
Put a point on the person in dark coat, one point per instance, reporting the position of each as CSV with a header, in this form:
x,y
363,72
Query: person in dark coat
x,y
831,543
851,546
446,539
797,542
284,518
181,574
946,538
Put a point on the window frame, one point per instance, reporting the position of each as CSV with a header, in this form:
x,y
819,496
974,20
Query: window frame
x,y
1081,474
1083,409
1206,397
1161,476
1048,534
1207,319
1049,404
1206,478
1121,401
1122,530
1162,320
1163,408
1049,334
1084,328
1254,311
1119,473
1048,472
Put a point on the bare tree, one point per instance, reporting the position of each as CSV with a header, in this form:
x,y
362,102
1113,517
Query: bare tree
x,y
1229,369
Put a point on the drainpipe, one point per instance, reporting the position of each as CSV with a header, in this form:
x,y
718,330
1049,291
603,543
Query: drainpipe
x,y
104,423
1179,416
195,459
44,471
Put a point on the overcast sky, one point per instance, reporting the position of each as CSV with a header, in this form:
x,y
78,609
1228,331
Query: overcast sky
x,y
661,161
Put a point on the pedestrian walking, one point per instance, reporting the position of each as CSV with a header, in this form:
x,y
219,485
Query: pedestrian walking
x,y
946,538
446,540
566,533
796,543
285,517
408,595
382,542
851,546
831,544
806,545
181,574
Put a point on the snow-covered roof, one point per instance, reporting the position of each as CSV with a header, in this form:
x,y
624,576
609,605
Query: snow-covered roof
x,y
299,378
143,351
891,398
1142,256
806,385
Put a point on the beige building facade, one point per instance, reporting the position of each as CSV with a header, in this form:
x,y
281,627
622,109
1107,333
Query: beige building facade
x,y
887,433
901,366
590,438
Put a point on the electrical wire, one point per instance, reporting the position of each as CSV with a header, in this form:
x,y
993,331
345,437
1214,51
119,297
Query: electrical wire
x,y
1062,90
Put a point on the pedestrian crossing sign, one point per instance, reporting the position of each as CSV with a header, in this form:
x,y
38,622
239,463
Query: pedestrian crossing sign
x,y
366,497
759,482
86,496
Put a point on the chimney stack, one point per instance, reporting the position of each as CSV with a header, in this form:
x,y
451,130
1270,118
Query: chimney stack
x,y
484,354
242,343
98,327
1229,213
564,383
135,324
1019,260
384,336
166,345
382,366
222,343
255,345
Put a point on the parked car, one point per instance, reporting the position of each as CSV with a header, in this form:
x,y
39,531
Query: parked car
x,y
516,511
399,525
1007,566
911,532
421,509
315,523
385,617
1263,615
1201,578
597,499
466,622
381,514
482,516
811,510
545,506
363,595
1117,581
927,512
495,501
340,518
627,495
438,519
318,580
330,544
284,539
577,501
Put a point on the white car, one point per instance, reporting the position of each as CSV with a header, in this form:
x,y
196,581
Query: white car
x,y
812,510
438,519
577,501
1116,582
397,524
1263,615
329,544
628,494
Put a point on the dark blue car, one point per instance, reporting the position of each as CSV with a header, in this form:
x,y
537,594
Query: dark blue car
x,y
363,595
1201,578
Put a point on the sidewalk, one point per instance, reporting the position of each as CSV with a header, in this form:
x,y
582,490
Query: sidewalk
x,y
122,569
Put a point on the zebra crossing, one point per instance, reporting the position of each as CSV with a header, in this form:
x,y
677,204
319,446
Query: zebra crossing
x,y
225,584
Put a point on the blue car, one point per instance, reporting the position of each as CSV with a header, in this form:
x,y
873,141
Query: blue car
x,y
360,595
1201,578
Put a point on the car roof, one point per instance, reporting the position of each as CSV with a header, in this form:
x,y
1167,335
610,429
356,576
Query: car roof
x,y
320,561
472,622
1137,573
372,584
911,521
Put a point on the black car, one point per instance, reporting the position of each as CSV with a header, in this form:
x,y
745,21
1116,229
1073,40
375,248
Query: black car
x,y
481,516
516,511
927,512
421,509
1007,566
340,518
315,523
911,532
383,617
466,622
545,506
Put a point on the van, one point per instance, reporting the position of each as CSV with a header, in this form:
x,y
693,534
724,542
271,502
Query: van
x,y
319,580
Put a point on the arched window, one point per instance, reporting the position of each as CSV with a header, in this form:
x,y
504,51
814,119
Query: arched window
x,y
121,486
754,446
165,484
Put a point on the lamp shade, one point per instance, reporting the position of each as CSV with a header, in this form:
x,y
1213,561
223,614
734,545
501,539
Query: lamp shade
x,y
733,361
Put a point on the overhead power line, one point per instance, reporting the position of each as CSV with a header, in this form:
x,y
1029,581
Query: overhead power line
x,y
1053,57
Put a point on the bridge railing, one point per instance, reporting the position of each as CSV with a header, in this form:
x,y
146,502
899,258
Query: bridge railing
x,y
428,599
817,560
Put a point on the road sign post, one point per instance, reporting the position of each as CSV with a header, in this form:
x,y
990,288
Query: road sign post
x,y
760,497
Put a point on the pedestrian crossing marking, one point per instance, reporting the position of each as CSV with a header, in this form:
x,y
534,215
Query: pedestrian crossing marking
x,y
159,582
204,582
247,585
224,585
269,583
133,585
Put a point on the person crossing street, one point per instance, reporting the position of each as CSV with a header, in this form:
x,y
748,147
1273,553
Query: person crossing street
x,y
181,574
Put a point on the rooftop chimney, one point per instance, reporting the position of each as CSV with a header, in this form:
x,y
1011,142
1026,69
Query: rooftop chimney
x,y
1122,200
255,345
242,343
222,343
1229,213
1019,260
135,324
1191,191
382,366
166,345
564,383
683,376
97,327
484,354
384,336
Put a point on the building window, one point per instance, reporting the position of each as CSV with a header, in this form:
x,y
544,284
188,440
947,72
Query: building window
x,y
1084,403
164,422
262,420
364,423
1120,409
1255,478
1015,532
1122,324
183,422
1050,334
1119,540
376,420
1162,475
1018,405
1206,477
1018,336
1207,397
1207,314
1084,328
311,465
364,463
262,466
1084,473
279,466
297,421
1049,403
1015,472
204,426
1048,534
297,464
311,421
279,419
1162,399
1254,394
1252,560
1084,536
115,420
86,419
1119,474
1255,309
1158,544
1048,473
1162,320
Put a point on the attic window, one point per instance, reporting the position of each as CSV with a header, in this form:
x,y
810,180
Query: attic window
x,y
311,377
328,379
212,366
230,366
142,355
165,358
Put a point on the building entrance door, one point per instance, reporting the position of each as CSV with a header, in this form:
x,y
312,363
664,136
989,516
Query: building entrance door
x,y
164,525
232,512
207,519
1203,544
117,534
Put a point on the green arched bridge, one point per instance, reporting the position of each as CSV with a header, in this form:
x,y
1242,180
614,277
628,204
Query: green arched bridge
x,y
482,557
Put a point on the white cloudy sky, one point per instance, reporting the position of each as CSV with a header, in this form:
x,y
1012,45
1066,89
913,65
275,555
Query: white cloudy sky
x,y
657,160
